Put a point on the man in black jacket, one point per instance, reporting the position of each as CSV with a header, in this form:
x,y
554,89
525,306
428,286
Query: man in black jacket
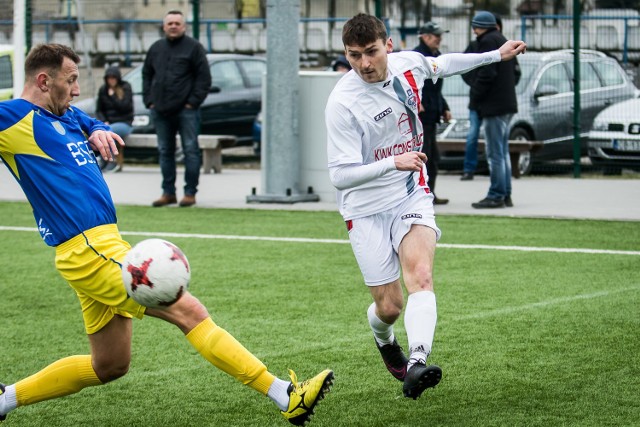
x,y
433,106
176,80
493,95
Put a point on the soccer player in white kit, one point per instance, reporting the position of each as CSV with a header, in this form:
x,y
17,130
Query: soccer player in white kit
x,y
375,162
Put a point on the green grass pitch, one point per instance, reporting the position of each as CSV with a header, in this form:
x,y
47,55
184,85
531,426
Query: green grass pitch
x,y
524,338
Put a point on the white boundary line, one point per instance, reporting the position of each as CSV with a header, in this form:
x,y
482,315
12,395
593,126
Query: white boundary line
x,y
542,304
343,241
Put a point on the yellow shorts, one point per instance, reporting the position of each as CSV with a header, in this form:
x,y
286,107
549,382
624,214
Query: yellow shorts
x,y
90,263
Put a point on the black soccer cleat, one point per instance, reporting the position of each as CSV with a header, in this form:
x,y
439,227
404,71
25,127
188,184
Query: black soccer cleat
x,y
419,378
394,359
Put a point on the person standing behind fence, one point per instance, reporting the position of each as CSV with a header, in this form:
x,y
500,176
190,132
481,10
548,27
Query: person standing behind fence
x,y
493,93
433,106
471,145
115,107
176,80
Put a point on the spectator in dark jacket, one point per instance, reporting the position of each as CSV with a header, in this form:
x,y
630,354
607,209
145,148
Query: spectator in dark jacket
x,y
115,107
471,146
176,80
493,95
433,106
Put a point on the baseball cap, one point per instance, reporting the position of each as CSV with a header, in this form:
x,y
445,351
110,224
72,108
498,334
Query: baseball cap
x,y
431,28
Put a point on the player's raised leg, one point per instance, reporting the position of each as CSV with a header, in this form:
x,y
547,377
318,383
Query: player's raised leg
x,y
221,349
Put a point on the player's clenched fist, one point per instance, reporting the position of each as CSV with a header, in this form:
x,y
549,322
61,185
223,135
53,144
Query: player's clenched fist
x,y
411,161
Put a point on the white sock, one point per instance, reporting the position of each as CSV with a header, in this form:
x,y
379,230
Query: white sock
x,y
278,393
420,319
8,400
383,332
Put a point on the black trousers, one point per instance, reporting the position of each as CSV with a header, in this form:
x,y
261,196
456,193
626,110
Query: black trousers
x,y
430,148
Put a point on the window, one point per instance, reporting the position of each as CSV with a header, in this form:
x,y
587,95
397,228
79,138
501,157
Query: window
x,y
254,71
6,73
225,75
588,77
609,73
555,77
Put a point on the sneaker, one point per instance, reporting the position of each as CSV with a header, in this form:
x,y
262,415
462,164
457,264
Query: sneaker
x,y
419,378
508,202
394,359
303,397
166,199
488,203
467,176
2,417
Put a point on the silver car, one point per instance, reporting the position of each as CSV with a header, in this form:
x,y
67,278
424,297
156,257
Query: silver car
x,y
614,140
545,103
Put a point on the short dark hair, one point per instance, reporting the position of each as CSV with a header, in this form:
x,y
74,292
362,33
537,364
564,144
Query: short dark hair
x,y
50,56
174,12
363,29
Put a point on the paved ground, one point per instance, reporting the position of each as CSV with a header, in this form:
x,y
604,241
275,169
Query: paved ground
x,y
549,197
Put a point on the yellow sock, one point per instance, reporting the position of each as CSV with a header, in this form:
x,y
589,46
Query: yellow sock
x,y
227,354
61,378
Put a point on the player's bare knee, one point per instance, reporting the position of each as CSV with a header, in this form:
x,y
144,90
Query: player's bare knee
x,y
112,370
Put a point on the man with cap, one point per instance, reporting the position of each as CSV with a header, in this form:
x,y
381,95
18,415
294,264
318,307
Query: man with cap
x,y
493,95
433,106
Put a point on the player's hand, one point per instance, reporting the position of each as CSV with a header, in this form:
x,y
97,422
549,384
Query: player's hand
x,y
446,116
511,48
411,161
104,142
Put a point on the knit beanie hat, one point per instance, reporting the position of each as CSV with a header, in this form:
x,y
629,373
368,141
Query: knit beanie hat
x,y
484,19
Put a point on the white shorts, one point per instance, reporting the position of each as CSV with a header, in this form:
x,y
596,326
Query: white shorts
x,y
375,239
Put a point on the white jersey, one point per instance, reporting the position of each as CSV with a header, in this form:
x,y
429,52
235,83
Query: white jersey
x,y
372,122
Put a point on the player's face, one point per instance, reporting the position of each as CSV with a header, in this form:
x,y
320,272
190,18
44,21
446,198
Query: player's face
x,y
370,61
174,26
63,87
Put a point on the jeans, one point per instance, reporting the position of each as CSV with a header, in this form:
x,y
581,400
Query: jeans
x,y
187,123
121,128
471,146
496,130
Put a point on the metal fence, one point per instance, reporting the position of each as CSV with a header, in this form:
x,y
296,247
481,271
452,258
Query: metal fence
x,y
601,37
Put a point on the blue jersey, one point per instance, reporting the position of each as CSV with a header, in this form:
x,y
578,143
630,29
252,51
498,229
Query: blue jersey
x,y
51,159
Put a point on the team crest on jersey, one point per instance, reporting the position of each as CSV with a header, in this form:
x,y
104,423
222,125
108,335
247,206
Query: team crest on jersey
x,y
58,127
411,98
405,127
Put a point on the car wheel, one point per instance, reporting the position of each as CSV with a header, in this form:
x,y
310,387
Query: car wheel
x,y
525,162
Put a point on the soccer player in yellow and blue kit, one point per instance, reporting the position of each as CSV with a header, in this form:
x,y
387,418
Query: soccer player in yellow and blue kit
x,y
48,147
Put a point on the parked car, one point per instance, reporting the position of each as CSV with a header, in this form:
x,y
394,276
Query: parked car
x,y
545,103
614,140
6,72
230,108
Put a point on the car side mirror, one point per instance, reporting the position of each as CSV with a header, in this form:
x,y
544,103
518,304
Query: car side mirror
x,y
546,90
215,89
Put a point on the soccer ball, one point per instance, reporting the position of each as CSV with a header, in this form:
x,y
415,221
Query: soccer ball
x,y
156,273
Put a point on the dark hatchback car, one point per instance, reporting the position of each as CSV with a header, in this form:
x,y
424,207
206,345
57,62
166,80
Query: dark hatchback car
x,y
233,102
545,103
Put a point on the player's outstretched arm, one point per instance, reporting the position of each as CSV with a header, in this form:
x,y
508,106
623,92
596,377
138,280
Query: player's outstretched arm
x,y
511,48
